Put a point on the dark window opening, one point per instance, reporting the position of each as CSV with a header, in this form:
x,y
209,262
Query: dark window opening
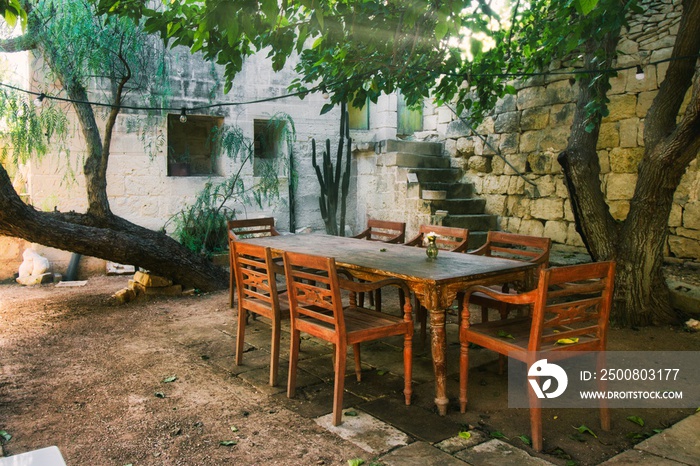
x,y
268,143
192,145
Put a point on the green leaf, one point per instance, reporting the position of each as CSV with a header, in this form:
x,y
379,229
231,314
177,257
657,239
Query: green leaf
x,y
636,419
567,341
5,435
234,429
356,462
351,413
497,434
585,6
326,108
465,435
504,334
381,372
582,429
525,439
228,443
172,378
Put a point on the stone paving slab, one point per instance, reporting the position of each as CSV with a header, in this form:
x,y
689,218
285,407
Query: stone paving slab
x,y
498,453
420,454
365,431
679,443
638,458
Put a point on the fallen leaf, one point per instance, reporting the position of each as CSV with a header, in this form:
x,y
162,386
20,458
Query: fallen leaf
x,y
567,341
525,439
5,435
351,413
465,435
504,334
585,430
356,462
497,434
228,443
234,429
636,419
172,378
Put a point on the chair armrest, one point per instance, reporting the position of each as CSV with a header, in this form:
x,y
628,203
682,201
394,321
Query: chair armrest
x,y
520,298
481,251
417,241
363,235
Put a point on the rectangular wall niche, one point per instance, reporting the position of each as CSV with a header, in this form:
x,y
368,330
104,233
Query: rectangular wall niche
x,y
192,145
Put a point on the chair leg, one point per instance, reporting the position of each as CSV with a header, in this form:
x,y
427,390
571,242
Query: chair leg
x,y
535,415
463,375
339,386
275,351
535,422
358,363
240,336
378,300
293,358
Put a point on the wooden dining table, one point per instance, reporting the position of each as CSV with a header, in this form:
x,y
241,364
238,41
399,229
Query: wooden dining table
x,y
435,282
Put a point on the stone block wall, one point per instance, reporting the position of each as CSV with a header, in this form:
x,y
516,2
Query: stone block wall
x,y
138,185
529,130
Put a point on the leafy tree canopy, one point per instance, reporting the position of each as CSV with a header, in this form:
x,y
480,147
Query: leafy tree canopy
x,y
358,49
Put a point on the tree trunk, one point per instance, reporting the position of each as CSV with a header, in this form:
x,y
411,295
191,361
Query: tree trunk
x,y
112,239
637,243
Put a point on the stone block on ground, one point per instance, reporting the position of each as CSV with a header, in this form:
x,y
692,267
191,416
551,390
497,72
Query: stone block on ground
x,y
365,431
151,281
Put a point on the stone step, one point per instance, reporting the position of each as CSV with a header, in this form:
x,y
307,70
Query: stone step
x,y
414,147
467,206
437,175
454,190
408,160
474,223
433,195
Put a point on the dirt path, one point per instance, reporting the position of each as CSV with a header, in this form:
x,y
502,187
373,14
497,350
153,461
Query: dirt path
x,y
87,376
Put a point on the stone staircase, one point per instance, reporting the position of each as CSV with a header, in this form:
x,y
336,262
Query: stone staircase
x,y
439,188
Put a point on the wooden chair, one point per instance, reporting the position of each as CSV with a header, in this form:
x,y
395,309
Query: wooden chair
x,y
569,303
450,239
387,232
254,269
515,247
246,228
314,290
384,231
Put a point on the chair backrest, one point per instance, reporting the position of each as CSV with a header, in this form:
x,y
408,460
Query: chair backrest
x,y
449,238
572,303
386,231
255,278
250,227
516,247
314,295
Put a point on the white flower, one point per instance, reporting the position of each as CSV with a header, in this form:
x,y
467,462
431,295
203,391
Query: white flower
x,y
432,236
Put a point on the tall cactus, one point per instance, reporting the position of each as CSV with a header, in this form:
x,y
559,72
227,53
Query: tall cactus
x,y
330,179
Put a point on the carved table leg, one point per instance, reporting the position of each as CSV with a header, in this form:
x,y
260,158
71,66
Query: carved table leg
x,y
439,347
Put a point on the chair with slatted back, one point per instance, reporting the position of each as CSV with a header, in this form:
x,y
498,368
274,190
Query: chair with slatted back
x,y
449,239
254,269
384,231
570,305
515,247
314,290
246,228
